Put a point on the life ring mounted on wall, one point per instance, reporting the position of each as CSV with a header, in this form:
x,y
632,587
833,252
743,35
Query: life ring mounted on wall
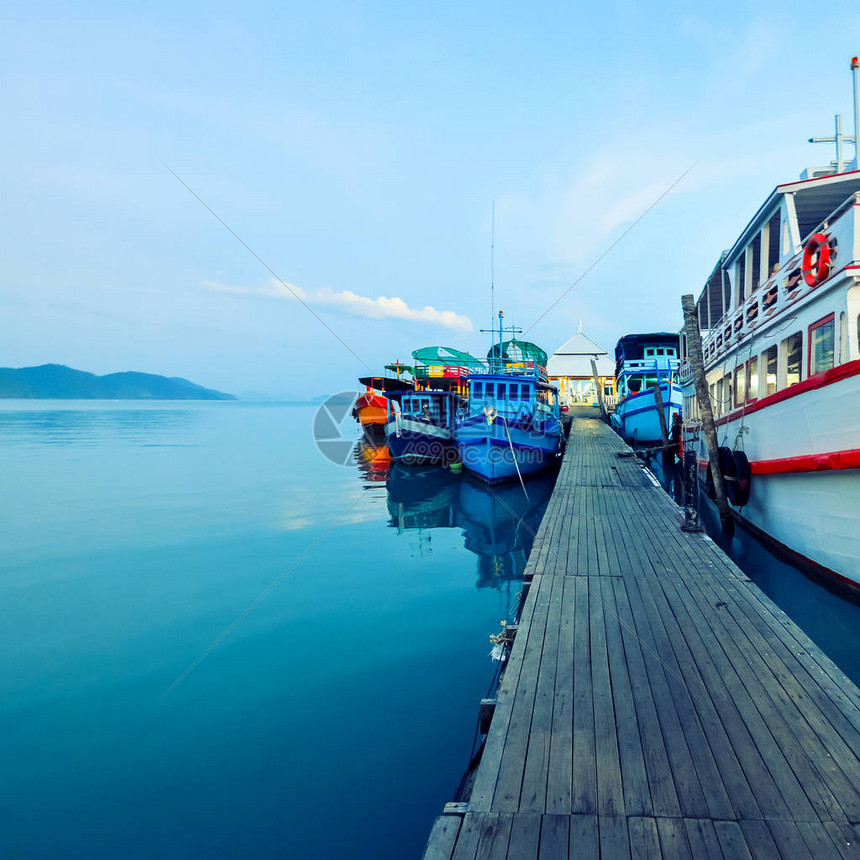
x,y
816,259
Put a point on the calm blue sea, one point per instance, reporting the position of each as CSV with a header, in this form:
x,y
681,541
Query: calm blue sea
x,y
334,719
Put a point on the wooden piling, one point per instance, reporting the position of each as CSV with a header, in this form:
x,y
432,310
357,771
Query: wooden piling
x,y
697,367
599,388
661,412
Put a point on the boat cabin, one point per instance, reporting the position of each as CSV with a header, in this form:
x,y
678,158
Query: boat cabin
x,y
643,360
438,407
508,396
783,303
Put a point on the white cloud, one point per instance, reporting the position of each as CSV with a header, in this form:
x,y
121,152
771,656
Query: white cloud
x,y
351,303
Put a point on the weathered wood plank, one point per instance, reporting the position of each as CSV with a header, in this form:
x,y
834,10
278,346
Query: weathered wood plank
x,y
704,843
610,791
584,780
534,788
644,840
443,837
584,838
511,767
614,839
760,841
673,839
525,837
554,835
559,772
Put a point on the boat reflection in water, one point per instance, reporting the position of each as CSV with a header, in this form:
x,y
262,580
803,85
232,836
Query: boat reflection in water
x,y
374,460
498,523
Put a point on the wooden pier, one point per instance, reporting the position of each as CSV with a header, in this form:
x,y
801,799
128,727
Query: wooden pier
x,y
656,703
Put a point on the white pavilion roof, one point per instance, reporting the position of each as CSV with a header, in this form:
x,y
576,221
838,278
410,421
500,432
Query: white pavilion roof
x,y
573,358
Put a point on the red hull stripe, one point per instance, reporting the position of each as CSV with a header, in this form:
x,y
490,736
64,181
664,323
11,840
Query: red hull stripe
x,y
820,380
808,463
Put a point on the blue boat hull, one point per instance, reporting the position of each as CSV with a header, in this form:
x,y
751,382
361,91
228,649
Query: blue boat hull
x,y
487,451
637,418
418,441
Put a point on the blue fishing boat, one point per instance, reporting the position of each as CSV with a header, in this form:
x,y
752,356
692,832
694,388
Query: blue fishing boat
x,y
512,427
643,361
421,421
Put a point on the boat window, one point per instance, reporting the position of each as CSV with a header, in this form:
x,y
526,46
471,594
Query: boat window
x,y
634,384
740,385
821,345
793,347
752,378
524,393
755,249
477,389
842,357
773,244
740,270
768,365
717,400
727,393
712,392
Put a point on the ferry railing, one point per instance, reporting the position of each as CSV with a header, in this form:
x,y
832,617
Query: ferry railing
x,y
787,286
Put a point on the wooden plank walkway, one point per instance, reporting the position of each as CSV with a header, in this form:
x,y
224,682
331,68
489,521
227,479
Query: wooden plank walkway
x,y
656,703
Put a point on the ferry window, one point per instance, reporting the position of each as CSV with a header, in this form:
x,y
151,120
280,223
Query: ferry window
x,y
477,389
718,398
773,244
524,392
740,269
793,357
842,357
755,248
712,391
768,365
488,390
727,393
740,385
821,345
752,378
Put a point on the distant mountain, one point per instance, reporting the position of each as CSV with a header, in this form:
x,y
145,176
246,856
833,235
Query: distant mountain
x,y
61,382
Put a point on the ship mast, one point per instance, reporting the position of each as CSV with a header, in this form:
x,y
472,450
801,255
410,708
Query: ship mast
x,y
855,64
841,139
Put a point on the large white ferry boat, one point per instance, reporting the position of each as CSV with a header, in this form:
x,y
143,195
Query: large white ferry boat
x,y
780,321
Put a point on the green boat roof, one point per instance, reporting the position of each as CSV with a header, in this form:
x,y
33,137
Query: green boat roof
x,y
518,350
444,355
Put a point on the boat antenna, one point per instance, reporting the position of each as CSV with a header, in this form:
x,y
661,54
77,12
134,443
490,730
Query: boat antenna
x,y
841,139
855,64
493,265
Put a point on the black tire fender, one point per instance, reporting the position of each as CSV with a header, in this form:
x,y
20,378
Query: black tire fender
x,y
728,469
739,489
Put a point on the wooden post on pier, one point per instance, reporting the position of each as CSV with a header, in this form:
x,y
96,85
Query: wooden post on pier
x,y
599,388
661,414
697,366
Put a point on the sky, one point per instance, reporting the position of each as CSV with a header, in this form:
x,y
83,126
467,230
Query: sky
x,y
357,150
